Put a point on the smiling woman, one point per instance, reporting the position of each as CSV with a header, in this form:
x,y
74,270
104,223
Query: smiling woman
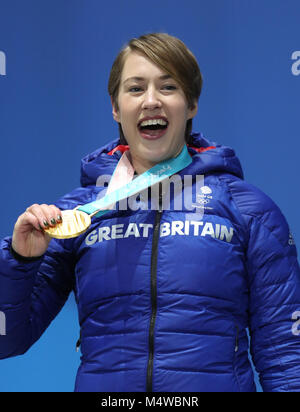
x,y
152,110
165,295
154,84
171,56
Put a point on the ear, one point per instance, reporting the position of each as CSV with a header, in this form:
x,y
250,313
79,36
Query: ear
x,y
193,111
115,112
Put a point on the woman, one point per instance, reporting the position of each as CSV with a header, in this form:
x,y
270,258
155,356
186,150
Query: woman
x,y
164,296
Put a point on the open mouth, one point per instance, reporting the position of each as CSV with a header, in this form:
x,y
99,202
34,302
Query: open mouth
x,y
153,128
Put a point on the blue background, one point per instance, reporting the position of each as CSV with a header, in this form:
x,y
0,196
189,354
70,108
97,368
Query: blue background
x,y
54,109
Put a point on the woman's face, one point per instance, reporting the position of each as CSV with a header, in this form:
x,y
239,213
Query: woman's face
x,y
148,93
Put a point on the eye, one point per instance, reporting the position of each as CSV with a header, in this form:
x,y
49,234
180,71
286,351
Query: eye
x,y
134,89
169,87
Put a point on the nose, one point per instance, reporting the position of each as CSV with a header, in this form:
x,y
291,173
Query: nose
x,y
151,100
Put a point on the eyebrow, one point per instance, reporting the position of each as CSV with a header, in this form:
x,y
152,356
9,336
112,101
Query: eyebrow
x,y
140,79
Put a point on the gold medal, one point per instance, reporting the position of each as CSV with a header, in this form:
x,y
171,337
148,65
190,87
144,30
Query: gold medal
x,y
74,223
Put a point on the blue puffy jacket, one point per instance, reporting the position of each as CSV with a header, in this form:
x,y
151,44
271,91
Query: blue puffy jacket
x,y
165,296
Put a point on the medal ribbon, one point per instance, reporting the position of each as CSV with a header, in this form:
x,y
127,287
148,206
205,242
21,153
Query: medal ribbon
x,y
122,184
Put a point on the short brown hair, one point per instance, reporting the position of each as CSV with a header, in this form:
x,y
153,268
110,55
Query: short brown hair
x,y
172,56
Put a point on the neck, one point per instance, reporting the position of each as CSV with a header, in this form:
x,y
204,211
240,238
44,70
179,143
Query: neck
x,y
142,165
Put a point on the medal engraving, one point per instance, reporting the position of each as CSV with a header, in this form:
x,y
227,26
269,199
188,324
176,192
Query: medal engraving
x,y
74,223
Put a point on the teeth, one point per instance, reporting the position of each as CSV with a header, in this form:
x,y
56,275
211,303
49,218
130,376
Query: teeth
x,y
153,121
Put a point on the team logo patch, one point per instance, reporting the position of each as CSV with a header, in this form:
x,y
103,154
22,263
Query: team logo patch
x,y
203,198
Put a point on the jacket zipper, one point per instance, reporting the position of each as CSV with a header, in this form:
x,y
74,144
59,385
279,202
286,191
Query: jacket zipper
x,y
154,253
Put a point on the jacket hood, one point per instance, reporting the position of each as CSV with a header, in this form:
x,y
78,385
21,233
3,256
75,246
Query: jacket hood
x,y
208,156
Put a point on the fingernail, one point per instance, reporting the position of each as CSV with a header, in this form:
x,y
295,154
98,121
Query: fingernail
x,y
46,223
40,227
59,218
53,221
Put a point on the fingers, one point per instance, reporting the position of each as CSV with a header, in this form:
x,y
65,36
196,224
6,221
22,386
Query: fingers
x,y
43,216
28,218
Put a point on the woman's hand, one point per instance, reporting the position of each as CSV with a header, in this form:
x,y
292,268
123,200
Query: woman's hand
x,y
29,238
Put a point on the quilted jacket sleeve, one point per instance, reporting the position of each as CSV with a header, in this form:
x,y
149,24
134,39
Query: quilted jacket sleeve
x,y
274,289
31,295
274,308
